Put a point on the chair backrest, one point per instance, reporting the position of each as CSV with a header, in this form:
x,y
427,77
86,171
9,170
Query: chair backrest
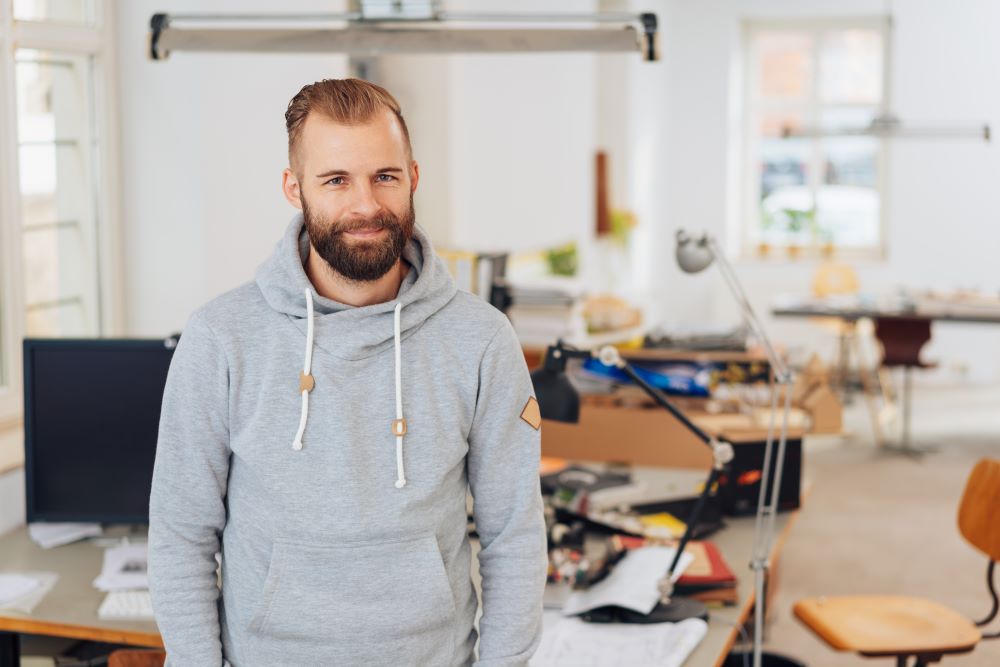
x,y
136,658
835,278
979,512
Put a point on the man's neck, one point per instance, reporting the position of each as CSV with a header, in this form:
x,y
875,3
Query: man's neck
x,y
332,285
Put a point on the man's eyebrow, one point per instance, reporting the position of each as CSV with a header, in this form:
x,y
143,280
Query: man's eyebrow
x,y
344,172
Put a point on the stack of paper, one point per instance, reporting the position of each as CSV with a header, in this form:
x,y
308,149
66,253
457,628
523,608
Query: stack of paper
x,y
48,535
571,642
546,309
124,568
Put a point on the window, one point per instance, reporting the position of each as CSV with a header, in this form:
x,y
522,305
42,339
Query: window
x,y
813,179
56,217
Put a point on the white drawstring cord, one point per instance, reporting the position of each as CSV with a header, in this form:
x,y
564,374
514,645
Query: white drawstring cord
x,y
399,426
306,379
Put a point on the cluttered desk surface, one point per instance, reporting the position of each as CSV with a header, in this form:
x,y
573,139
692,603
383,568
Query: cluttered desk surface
x,y
69,609
734,542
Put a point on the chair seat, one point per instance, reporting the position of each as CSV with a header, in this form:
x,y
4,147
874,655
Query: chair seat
x,y
877,625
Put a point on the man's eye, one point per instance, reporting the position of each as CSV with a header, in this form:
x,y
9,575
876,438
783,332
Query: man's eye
x,y
385,178
336,180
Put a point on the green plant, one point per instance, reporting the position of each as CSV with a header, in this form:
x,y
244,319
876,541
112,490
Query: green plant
x,y
562,260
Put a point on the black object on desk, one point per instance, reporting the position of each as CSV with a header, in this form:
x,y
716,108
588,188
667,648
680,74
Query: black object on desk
x,y
91,417
558,399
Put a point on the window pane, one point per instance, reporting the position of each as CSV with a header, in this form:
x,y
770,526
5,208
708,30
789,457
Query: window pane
x,y
56,157
784,64
60,11
850,67
786,201
848,200
67,316
55,270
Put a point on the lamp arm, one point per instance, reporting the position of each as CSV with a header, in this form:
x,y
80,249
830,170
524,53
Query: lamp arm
x,y
722,454
767,507
658,397
749,314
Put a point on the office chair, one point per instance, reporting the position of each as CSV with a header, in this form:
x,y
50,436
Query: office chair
x,y
908,335
905,627
136,658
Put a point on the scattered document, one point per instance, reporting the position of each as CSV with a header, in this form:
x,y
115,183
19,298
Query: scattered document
x,y
125,567
572,642
21,591
13,586
48,535
631,583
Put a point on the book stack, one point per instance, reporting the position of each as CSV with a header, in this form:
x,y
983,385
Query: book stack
x,y
708,579
543,311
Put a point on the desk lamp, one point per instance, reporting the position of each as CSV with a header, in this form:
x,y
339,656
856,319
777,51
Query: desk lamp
x,y
695,255
558,400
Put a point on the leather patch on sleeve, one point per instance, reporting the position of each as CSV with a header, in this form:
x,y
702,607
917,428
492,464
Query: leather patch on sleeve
x,y
531,413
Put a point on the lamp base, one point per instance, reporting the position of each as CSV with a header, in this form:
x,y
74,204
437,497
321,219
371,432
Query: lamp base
x,y
678,609
743,658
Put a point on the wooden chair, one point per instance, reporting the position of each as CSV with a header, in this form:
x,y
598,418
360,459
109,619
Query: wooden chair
x,y
905,627
136,658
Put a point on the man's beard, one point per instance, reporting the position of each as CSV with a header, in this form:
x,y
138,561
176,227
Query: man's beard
x,y
360,260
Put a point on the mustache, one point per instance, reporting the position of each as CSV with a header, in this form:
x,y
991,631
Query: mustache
x,y
375,224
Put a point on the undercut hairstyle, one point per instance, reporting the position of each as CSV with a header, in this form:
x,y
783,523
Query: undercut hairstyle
x,y
347,101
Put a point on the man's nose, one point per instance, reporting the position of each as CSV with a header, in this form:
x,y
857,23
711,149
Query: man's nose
x,y
364,204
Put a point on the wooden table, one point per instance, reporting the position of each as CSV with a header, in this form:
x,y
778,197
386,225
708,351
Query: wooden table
x,y
70,608
902,331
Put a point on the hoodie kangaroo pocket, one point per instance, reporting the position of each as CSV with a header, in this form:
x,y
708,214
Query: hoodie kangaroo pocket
x,y
356,593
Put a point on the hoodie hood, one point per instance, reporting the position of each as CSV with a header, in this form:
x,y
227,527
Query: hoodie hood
x,y
352,332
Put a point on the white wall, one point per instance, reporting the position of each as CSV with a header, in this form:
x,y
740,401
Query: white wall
x,y
942,201
203,146
506,147
505,141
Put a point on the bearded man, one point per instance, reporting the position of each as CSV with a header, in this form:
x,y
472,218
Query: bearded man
x,y
323,424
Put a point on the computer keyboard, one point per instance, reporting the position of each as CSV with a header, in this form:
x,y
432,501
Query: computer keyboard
x,y
132,605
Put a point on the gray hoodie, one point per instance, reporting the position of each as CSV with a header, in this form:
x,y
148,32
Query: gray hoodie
x,y
340,511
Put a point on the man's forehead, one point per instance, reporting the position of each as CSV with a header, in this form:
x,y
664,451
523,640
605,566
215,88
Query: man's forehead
x,y
325,141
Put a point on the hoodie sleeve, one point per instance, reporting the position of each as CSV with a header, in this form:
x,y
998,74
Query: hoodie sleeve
x,y
187,504
503,459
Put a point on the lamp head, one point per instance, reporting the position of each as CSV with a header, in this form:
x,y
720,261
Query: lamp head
x,y
693,254
557,398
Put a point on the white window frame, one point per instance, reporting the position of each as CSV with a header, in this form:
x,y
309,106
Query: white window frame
x,y
95,40
749,217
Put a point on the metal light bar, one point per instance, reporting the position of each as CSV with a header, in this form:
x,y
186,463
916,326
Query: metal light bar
x,y
890,127
357,34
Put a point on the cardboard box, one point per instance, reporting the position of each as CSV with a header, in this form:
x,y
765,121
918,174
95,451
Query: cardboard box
x,y
645,436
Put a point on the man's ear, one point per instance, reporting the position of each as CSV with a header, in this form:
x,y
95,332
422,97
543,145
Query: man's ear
x,y
414,176
290,187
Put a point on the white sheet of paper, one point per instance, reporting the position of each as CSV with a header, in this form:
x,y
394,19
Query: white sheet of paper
x,y
572,642
13,586
124,568
631,583
31,597
48,535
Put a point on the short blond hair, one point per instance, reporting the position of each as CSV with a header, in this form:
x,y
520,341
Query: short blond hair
x,y
347,101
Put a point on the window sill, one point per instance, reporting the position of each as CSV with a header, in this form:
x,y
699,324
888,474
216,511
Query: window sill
x,y
783,256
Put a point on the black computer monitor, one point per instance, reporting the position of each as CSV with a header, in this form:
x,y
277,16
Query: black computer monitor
x,y
91,416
